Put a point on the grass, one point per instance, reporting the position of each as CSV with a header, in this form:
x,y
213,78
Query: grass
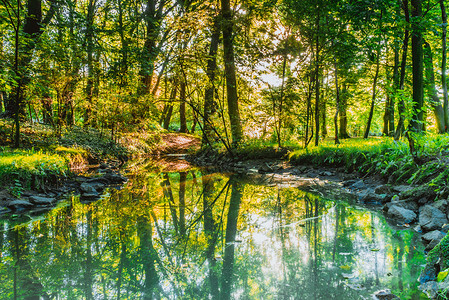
x,y
386,157
21,169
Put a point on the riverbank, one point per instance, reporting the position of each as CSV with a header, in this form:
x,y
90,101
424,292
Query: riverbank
x,y
52,165
411,187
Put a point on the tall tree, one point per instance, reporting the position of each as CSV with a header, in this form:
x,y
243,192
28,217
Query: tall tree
x,y
230,70
416,122
443,64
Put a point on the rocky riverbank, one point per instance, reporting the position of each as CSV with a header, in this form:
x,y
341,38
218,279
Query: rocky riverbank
x,y
89,187
422,207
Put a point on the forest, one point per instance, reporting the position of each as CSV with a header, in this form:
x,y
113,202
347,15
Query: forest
x,y
288,72
218,149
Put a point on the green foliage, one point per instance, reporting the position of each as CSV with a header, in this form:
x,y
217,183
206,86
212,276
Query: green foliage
x,y
385,157
30,169
440,251
97,144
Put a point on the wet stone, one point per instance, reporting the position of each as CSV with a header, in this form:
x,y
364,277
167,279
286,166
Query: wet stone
x,y
87,188
433,235
358,185
440,205
401,214
38,200
432,244
19,204
383,189
431,218
384,295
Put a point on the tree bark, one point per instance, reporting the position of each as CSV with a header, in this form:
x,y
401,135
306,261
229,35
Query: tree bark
x,y
416,123
443,65
337,106
430,79
170,108
401,103
231,80
182,107
373,98
343,133
90,61
209,103
317,79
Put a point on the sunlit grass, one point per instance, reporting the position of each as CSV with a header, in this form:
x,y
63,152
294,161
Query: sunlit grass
x,y
24,164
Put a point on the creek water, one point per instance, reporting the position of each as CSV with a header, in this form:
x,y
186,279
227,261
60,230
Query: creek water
x,y
201,235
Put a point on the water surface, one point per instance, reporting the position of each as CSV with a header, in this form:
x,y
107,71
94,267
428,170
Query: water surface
x,y
194,235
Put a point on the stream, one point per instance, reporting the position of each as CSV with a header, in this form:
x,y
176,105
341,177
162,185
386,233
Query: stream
x,y
202,235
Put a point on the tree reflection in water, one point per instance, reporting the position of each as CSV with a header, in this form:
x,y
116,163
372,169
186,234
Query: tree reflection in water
x,y
197,235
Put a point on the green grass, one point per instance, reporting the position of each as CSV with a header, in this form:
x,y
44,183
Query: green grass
x,y
30,168
385,157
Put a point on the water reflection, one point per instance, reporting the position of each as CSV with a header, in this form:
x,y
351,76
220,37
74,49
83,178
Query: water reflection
x,y
193,235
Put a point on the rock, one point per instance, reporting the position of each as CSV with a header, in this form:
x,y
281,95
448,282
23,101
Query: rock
x,y
372,198
358,185
265,169
383,189
114,178
440,205
326,173
404,204
433,235
87,188
401,188
402,214
430,288
418,229
90,195
4,210
420,194
19,204
384,295
349,183
38,200
431,218
432,244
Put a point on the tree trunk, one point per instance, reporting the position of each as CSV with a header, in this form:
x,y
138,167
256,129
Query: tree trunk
x,y
373,98
182,107
337,106
170,108
343,114
416,123
90,63
148,55
430,79
231,80
401,104
443,65
317,79
209,103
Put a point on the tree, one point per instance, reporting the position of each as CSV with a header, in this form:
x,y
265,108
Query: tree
x,y
416,122
230,70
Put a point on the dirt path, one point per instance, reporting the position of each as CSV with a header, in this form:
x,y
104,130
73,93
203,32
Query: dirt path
x,y
178,143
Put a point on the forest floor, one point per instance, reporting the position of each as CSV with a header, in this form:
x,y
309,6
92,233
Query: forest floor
x,y
176,143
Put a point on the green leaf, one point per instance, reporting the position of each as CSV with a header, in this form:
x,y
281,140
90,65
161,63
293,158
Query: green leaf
x,y
442,275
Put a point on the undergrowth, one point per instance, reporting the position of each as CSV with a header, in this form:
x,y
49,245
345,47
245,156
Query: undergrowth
x,y
386,157
20,169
